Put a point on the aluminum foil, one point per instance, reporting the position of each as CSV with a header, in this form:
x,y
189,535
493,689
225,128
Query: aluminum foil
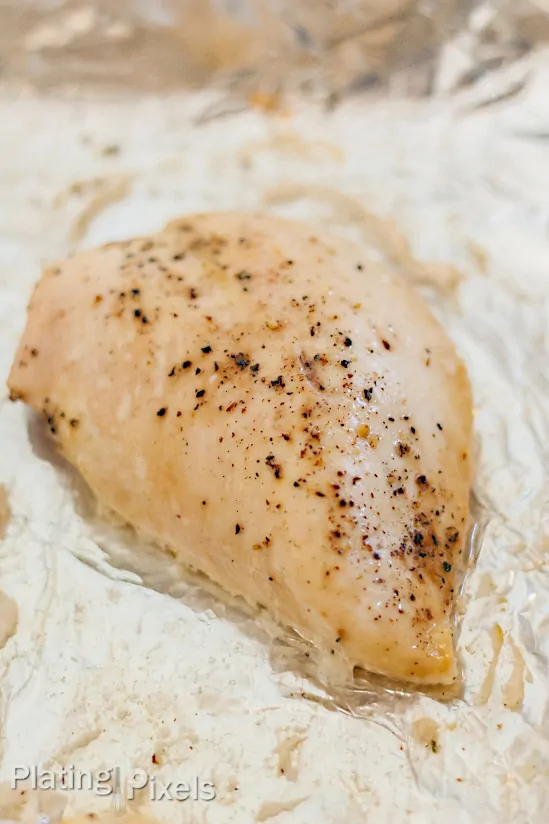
x,y
119,107
261,48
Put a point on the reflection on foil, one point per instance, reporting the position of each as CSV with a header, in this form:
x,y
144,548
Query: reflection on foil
x,y
265,47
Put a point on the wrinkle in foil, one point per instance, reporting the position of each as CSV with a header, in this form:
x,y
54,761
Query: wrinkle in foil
x,y
263,48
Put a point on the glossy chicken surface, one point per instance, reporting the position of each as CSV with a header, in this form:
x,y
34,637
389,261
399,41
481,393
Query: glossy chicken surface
x,y
284,415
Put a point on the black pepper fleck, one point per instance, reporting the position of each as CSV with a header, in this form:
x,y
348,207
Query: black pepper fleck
x,y
277,469
241,361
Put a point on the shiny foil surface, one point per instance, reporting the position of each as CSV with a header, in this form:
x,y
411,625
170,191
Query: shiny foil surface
x,y
434,154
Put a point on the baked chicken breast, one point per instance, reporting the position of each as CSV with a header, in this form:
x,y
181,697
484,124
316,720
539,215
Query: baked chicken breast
x,y
284,415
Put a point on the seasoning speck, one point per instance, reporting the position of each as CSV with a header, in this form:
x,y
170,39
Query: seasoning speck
x,y
277,469
241,361
161,412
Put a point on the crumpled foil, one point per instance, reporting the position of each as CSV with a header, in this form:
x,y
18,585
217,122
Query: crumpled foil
x,y
329,48
470,186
